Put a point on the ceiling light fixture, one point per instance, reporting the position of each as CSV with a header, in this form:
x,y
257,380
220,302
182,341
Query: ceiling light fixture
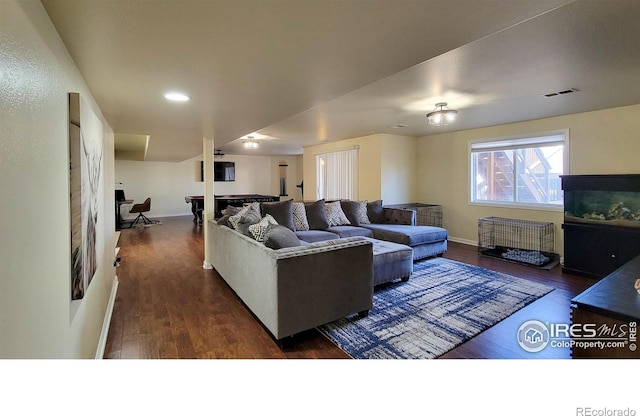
x,y
442,115
176,96
250,144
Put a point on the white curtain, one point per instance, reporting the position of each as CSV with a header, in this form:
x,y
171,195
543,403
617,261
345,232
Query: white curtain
x,y
337,175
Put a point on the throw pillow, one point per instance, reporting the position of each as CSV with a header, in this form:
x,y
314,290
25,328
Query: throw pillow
x,y
335,214
231,210
281,211
224,220
279,236
350,209
259,229
317,215
300,222
248,215
226,214
375,212
235,218
252,217
363,218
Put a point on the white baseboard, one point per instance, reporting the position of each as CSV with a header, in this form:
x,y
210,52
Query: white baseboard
x,y
463,241
207,265
475,243
169,215
102,343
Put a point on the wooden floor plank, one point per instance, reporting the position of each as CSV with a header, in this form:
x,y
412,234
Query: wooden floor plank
x,y
168,306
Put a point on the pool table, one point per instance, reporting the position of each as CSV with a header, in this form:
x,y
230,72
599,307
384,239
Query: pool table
x,y
223,201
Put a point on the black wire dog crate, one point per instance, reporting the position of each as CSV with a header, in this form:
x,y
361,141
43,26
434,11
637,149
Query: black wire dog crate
x,y
428,214
522,241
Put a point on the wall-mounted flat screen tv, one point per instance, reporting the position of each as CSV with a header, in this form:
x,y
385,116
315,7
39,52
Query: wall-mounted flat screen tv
x,y
224,171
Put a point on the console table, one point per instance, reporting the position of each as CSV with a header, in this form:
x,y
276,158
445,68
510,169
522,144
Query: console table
x,y
612,308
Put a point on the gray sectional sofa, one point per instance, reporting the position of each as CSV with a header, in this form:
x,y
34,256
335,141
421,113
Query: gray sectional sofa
x,y
300,265
294,289
388,224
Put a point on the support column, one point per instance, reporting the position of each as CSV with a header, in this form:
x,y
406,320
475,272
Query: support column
x,y
209,203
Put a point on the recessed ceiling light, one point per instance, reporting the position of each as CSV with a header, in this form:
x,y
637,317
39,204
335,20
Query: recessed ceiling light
x,y
176,96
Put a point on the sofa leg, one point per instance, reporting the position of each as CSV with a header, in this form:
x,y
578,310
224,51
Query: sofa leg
x,y
285,343
363,314
405,279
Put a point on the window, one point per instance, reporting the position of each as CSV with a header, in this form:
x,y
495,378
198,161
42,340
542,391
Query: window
x,y
337,175
523,171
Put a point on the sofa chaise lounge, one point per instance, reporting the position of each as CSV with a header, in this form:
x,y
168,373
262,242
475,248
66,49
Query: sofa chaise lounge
x,y
395,225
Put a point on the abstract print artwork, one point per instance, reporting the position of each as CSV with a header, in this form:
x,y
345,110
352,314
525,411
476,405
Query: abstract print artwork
x,y
85,176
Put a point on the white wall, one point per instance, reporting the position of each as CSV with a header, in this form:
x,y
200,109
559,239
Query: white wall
x,y
37,317
167,183
253,176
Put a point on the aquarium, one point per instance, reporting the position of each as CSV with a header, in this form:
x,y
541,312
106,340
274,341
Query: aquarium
x,y
612,200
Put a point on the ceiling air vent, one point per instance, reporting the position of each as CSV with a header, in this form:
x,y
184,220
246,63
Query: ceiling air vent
x,y
553,94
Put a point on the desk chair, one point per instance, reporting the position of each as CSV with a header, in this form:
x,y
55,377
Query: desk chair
x,y
141,209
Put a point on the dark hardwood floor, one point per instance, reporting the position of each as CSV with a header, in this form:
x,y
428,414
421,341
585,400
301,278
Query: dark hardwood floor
x,y
168,306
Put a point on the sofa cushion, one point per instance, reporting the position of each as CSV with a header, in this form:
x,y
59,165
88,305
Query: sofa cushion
x,y
300,222
410,235
375,212
278,236
317,215
259,229
281,211
335,215
345,231
312,236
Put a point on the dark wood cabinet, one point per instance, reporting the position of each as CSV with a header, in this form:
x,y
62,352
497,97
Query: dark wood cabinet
x,y
597,250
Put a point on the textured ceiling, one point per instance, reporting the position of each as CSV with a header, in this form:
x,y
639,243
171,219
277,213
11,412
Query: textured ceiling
x,y
297,73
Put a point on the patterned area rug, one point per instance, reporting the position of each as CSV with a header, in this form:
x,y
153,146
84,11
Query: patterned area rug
x,y
444,304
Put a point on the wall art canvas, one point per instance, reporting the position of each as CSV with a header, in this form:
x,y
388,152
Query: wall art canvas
x,y
85,176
